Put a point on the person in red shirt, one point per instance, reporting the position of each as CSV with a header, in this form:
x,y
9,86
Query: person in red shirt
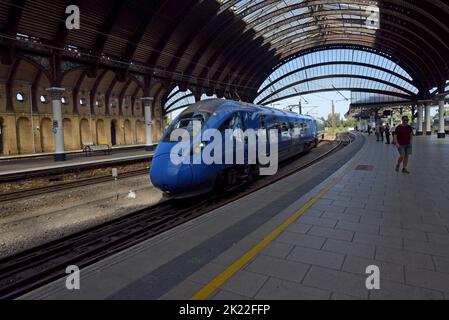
x,y
403,135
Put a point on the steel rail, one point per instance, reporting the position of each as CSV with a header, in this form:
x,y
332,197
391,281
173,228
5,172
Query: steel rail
x,y
33,268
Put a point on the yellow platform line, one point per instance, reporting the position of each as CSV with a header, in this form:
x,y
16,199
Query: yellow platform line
x,y
216,283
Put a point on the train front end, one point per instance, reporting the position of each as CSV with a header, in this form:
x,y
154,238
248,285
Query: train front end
x,y
173,168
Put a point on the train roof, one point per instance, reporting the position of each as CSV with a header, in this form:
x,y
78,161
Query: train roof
x,y
212,105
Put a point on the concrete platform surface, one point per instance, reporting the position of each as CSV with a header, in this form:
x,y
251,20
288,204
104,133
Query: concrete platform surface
x,y
8,167
309,236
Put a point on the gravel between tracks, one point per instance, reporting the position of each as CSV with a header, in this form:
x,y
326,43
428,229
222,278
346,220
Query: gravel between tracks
x,y
26,223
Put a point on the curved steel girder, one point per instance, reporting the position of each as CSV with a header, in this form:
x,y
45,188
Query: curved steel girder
x,y
218,58
371,66
34,86
209,33
179,32
123,92
194,34
392,46
259,51
167,108
389,93
412,44
8,85
406,62
167,95
173,93
276,35
12,25
277,25
261,80
62,33
108,24
228,5
14,15
417,50
291,85
76,90
423,27
340,46
134,98
108,95
440,5
93,91
150,17
391,12
441,25
220,38
385,22
236,45
400,3
224,39
386,12
166,111
177,11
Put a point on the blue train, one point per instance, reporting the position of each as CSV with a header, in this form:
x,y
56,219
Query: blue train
x,y
296,134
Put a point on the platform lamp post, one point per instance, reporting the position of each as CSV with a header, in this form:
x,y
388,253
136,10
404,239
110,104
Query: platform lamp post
x,y
428,120
442,111
148,106
57,129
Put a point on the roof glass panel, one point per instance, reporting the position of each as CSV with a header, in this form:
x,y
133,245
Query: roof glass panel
x,y
270,17
178,99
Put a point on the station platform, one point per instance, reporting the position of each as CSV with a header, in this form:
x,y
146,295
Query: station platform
x,y
309,236
42,162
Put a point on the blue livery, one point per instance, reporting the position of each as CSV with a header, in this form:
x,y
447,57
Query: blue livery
x,y
296,134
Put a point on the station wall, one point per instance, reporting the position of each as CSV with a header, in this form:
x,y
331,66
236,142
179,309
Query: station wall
x,y
98,109
16,132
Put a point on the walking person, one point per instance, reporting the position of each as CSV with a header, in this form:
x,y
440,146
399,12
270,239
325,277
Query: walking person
x,y
381,132
402,138
387,133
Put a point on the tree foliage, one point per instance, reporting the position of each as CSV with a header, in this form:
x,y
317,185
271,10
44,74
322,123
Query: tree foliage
x,y
338,122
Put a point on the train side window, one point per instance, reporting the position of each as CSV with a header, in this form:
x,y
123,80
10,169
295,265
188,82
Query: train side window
x,y
234,122
285,131
296,128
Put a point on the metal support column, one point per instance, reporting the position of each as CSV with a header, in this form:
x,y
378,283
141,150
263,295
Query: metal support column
x,y
57,129
148,106
428,121
420,120
441,130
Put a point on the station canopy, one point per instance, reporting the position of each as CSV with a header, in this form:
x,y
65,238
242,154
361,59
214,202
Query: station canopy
x,y
254,50
382,51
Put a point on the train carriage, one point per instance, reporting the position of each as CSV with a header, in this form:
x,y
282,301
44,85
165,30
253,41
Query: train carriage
x,y
296,134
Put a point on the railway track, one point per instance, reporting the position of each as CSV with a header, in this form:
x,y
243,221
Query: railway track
x,y
33,268
65,186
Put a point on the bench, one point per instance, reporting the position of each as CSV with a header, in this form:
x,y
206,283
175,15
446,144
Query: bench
x,y
90,148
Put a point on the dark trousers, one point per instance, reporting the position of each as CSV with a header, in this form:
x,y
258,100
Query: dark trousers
x,y
387,136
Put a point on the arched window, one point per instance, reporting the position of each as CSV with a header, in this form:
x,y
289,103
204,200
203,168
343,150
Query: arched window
x,y
20,97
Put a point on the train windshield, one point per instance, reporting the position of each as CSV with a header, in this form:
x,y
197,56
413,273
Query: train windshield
x,y
189,122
